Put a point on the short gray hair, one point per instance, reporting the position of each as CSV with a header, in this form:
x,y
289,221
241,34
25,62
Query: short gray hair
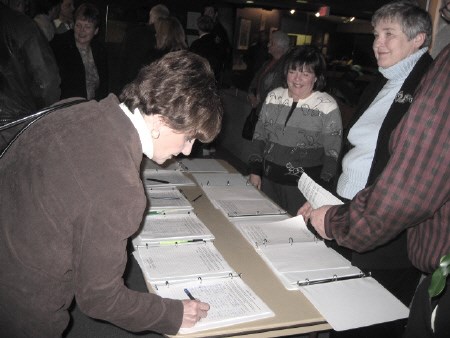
x,y
281,39
413,19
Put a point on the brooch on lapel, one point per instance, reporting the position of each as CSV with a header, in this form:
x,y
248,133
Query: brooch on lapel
x,y
406,98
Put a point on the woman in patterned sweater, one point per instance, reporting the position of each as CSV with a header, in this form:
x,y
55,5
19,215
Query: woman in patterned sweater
x,y
299,129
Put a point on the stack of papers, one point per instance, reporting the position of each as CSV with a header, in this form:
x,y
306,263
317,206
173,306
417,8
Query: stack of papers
x,y
235,197
192,165
185,261
172,229
166,200
164,178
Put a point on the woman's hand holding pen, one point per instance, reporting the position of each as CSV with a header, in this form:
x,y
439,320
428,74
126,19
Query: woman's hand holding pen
x,y
194,310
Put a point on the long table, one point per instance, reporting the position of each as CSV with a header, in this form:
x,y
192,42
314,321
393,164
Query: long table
x,y
294,314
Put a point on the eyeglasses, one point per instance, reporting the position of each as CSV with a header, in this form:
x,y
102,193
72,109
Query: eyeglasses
x,y
445,11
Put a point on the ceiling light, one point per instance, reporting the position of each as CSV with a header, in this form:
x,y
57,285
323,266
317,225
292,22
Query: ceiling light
x,y
292,11
352,18
317,14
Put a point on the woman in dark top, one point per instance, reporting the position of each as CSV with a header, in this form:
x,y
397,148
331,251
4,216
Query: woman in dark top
x,y
81,59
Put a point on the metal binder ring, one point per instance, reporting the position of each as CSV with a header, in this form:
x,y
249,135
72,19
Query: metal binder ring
x,y
200,279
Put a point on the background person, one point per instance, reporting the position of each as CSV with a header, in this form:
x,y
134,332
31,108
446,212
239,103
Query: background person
x,y
64,22
77,171
139,43
81,58
206,45
270,76
170,37
29,75
47,11
299,128
221,36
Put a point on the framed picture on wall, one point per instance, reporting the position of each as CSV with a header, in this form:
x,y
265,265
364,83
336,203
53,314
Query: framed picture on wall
x,y
244,34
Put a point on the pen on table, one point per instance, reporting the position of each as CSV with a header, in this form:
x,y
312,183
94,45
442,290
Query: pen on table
x,y
156,180
191,297
197,197
181,241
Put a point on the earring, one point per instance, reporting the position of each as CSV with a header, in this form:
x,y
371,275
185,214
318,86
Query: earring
x,y
155,133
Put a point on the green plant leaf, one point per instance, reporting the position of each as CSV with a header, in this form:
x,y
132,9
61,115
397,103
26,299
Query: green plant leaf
x,y
439,277
437,284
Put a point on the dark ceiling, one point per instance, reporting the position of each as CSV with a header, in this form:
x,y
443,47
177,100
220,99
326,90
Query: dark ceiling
x,y
361,9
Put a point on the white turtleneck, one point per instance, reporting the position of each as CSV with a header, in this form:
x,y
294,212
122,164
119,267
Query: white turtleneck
x,y
364,133
144,133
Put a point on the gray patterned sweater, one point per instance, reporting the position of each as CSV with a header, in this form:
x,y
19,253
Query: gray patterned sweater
x,y
310,137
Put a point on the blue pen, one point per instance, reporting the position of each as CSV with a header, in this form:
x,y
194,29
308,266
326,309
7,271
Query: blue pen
x,y
191,297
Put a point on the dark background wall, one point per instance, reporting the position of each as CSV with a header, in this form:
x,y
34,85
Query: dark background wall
x,y
342,43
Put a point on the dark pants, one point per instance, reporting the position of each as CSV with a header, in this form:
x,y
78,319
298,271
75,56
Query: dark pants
x,y
287,197
419,322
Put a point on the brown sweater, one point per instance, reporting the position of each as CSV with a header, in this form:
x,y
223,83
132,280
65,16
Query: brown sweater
x,y
70,196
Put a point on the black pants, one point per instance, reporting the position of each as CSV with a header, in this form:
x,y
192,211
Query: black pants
x,y
419,322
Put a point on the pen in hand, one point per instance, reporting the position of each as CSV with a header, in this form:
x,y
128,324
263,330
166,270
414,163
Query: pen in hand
x,y
191,297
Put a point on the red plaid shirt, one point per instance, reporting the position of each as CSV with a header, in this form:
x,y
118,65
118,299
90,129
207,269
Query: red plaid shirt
x,y
413,192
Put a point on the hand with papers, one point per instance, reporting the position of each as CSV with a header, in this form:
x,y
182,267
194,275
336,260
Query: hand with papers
x,y
317,220
316,217
319,200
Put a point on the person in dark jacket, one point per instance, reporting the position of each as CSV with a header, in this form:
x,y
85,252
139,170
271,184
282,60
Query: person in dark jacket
x,y
29,78
140,42
207,47
81,58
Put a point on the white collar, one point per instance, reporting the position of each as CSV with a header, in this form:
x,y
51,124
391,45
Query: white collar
x,y
144,133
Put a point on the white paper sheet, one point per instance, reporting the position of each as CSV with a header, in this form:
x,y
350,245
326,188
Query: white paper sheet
x,y
173,227
355,303
315,194
182,262
288,230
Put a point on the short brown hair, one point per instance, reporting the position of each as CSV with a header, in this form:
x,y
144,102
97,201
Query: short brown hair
x,y
89,12
181,88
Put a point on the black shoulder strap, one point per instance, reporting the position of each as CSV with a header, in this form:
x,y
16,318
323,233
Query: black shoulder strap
x,y
29,120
